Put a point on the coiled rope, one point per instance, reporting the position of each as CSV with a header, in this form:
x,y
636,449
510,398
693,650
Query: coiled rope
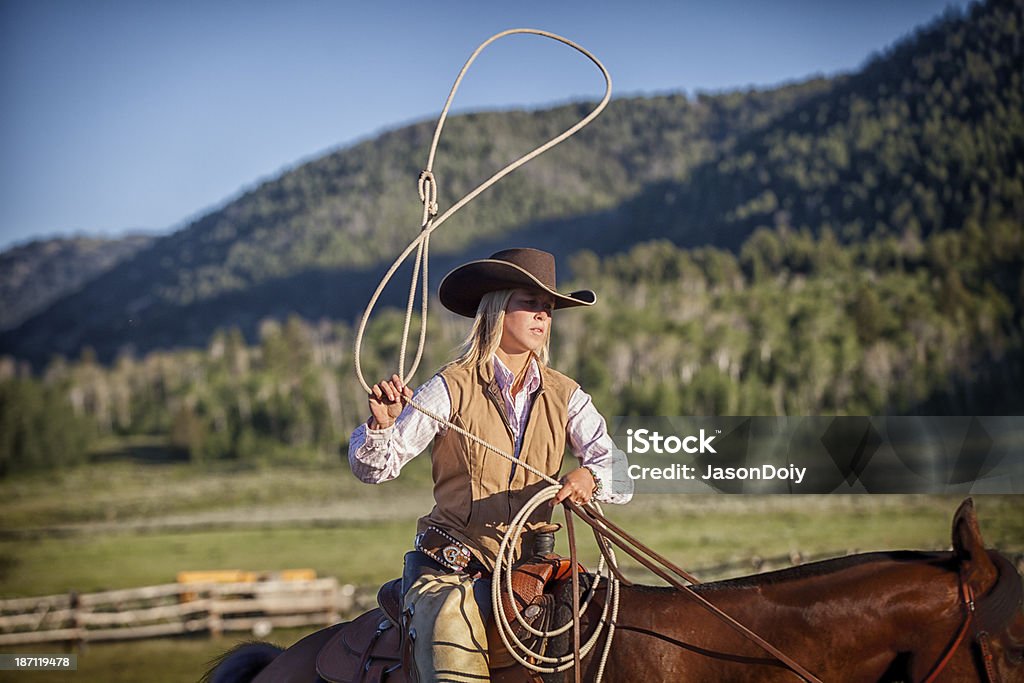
x,y
501,580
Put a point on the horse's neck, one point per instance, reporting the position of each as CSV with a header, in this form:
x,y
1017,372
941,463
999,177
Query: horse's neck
x,y
834,599
874,613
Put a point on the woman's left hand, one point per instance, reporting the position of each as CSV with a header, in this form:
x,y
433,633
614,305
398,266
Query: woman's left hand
x,y
578,486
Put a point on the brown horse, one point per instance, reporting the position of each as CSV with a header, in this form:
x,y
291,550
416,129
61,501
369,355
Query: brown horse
x,y
892,616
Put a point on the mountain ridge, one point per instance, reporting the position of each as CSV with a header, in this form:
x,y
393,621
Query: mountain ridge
x,y
840,156
194,268
36,273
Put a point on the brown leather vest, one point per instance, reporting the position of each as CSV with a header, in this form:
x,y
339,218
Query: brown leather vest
x,y
476,491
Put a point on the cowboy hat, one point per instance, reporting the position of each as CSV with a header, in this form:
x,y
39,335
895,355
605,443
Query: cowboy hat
x,y
462,289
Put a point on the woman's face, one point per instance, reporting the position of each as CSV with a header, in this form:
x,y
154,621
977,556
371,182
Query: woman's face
x,y
527,321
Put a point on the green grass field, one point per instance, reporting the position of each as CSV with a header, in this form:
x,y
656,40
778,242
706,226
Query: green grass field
x,y
135,524
178,660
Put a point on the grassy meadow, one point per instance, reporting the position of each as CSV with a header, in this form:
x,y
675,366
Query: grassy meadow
x,y
126,522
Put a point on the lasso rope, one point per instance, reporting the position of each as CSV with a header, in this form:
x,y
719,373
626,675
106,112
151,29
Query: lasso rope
x,y
603,529
427,186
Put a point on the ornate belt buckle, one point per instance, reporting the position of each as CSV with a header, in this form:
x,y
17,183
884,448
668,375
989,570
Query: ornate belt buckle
x,y
456,556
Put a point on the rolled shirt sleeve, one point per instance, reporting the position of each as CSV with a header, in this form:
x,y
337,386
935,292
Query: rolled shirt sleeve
x,y
588,434
378,455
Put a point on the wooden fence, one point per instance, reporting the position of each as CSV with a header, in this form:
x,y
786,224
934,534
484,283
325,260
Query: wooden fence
x,y
174,609
216,602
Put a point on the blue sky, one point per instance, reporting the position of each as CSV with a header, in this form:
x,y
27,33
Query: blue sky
x,y
126,114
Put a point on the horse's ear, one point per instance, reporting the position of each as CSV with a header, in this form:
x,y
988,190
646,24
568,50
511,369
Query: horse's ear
x,y
969,549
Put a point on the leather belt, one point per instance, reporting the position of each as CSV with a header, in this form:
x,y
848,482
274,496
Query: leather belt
x,y
442,547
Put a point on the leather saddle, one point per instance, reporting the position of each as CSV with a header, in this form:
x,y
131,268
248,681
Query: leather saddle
x,y
368,649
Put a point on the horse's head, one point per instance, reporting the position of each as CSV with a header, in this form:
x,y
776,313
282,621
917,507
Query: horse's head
x,y
998,623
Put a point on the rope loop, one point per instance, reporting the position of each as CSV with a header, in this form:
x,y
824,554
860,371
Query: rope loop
x,y
427,186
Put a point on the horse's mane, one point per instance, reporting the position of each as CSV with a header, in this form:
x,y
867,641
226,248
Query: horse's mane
x,y
820,568
253,657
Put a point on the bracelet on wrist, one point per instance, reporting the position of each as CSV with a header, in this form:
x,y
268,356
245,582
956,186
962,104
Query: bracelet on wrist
x,y
597,480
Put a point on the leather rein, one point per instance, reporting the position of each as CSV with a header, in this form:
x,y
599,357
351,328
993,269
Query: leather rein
x,y
983,616
607,532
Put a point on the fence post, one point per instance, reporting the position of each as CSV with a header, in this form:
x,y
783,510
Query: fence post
x,y
346,600
332,603
75,603
215,624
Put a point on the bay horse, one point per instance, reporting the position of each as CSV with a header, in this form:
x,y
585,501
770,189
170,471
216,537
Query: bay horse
x,y
883,616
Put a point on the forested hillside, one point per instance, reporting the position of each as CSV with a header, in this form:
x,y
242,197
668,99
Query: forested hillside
x,y
928,136
313,240
844,246
793,326
36,274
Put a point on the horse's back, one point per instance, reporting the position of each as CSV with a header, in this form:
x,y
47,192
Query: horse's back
x,y
297,664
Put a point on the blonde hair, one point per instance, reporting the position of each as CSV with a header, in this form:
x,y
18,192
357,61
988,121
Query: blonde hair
x,y
484,337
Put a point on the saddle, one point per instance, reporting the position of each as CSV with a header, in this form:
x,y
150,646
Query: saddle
x,y
369,648
366,650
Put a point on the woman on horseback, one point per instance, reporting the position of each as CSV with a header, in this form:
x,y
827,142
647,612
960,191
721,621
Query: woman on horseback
x,y
501,390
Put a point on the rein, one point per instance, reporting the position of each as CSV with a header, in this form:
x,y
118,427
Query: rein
x,y
982,616
637,550
967,601
605,532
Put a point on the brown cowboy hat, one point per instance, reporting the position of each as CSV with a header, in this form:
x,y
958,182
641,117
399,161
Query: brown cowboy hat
x,y
462,288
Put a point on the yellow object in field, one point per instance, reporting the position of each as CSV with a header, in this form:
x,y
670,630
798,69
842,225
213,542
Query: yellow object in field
x,y
217,576
296,575
240,576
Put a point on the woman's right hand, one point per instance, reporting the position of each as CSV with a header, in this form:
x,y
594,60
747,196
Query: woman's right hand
x,y
386,402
